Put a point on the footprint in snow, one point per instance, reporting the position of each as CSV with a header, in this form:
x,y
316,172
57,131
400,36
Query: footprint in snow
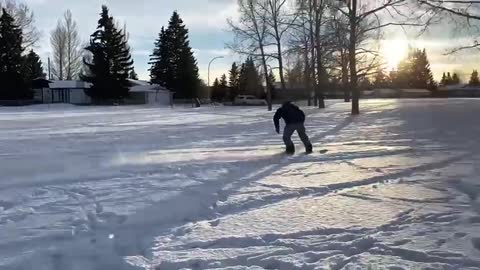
x,y
214,223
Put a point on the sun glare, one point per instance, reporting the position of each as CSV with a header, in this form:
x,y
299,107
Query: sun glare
x,y
393,52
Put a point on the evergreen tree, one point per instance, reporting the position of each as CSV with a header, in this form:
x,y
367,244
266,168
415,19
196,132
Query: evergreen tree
x,y
421,73
133,75
161,72
234,81
444,79
216,91
455,79
250,79
111,61
474,80
223,81
414,71
173,63
11,60
32,67
449,79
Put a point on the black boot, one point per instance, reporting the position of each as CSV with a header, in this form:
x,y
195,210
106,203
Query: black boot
x,y
290,150
309,149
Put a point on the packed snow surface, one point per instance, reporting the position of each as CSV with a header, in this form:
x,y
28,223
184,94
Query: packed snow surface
x,y
120,188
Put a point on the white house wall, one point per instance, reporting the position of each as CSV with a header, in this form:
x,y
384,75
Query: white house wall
x,y
158,98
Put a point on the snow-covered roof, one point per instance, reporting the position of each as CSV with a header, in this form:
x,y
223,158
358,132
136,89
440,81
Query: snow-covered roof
x,y
461,86
147,88
137,86
144,86
138,82
56,84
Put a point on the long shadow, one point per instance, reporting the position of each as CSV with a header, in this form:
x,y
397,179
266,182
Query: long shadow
x,y
327,189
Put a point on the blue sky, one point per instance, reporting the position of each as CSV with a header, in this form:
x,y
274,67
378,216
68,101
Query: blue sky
x,y
206,20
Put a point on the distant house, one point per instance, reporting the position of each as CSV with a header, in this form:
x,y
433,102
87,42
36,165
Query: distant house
x,y
142,92
74,92
459,90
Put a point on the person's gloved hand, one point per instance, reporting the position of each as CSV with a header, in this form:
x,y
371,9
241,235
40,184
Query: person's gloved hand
x,y
277,130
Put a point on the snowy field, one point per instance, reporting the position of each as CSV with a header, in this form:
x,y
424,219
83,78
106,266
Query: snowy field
x,y
120,188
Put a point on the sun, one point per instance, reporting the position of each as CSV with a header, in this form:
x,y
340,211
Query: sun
x,y
393,52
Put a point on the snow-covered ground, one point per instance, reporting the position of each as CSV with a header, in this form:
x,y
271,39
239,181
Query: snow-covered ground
x,y
119,188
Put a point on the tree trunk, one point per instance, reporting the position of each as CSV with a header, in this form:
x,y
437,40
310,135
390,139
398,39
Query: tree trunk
x,y
280,66
353,60
320,70
307,74
312,5
345,85
267,80
280,58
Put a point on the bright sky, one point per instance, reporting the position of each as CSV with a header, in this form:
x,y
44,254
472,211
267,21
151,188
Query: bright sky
x,y
206,20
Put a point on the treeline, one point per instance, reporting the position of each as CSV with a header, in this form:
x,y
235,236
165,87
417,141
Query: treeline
x,y
332,41
18,67
105,62
110,65
243,80
412,72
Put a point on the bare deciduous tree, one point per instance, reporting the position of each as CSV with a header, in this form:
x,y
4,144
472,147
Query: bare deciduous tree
x,y
58,41
25,19
251,37
465,14
362,21
65,42
280,19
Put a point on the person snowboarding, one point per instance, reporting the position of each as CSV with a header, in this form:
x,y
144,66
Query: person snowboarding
x,y
294,119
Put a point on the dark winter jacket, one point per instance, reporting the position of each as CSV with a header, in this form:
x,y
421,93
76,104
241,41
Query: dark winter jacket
x,y
290,113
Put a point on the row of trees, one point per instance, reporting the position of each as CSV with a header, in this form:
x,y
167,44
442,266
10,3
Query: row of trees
x,y
412,72
332,39
105,61
17,70
454,79
243,80
448,79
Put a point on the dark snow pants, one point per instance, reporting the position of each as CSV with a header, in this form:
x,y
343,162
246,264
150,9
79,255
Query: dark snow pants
x,y
287,137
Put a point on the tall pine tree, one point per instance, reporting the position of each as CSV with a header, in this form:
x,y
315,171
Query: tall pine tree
x,y
444,79
32,67
220,88
173,63
474,80
11,60
216,89
449,79
133,75
421,73
111,61
234,81
414,71
250,82
161,72
455,79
